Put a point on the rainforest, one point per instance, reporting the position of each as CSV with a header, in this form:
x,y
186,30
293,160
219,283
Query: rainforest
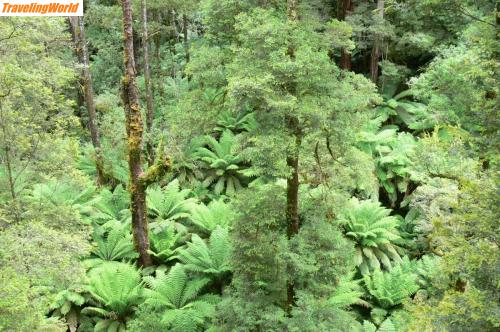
x,y
251,166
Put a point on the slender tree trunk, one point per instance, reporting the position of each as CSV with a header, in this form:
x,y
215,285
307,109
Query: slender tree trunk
x,y
176,40
345,57
157,41
497,22
292,161
134,128
149,84
185,34
88,92
8,166
80,100
376,45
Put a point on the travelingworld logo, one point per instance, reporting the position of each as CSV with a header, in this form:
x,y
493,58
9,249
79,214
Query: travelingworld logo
x,y
41,7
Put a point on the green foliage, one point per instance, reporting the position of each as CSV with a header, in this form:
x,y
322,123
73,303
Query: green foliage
x,y
112,205
164,242
67,304
118,289
223,163
391,288
386,326
115,245
185,309
347,292
169,205
18,311
466,274
211,258
393,153
411,114
236,124
115,168
375,233
239,87
208,217
56,193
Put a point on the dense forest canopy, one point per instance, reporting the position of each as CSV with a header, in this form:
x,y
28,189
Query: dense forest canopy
x,y
251,165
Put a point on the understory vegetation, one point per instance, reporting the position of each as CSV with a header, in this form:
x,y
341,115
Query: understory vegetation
x,y
253,166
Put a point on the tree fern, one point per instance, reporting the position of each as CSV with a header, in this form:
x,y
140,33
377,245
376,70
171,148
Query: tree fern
x,y
185,166
347,292
117,287
207,218
236,124
168,205
185,309
392,152
114,245
425,268
112,205
67,304
211,258
375,233
405,111
223,163
164,242
390,288
58,193
386,326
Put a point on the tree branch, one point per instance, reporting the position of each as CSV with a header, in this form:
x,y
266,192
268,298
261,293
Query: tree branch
x,y
161,166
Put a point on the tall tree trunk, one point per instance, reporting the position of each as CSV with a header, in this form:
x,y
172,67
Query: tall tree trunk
x,y
345,57
80,100
157,41
88,92
292,161
149,85
375,56
176,40
134,129
8,166
185,34
139,180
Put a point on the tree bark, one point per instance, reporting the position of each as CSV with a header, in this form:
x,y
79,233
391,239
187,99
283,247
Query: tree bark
x,y
375,56
157,41
10,172
80,100
134,127
292,161
345,57
88,93
185,35
139,180
149,84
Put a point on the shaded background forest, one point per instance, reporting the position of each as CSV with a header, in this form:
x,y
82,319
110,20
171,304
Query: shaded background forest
x,y
251,166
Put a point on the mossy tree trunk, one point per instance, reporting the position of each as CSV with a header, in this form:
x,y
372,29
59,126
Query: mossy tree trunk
x,y
82,52
139,180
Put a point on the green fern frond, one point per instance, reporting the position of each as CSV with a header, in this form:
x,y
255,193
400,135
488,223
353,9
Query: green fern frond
x,y
375,233
211,258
